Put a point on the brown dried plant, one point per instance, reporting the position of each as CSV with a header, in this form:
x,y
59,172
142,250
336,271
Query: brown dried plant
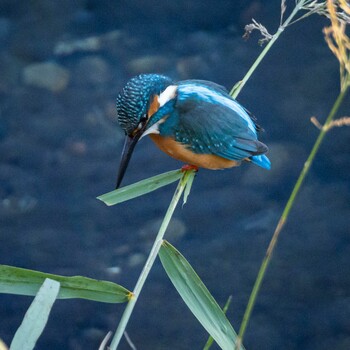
x,y
344,121
302,10
337,39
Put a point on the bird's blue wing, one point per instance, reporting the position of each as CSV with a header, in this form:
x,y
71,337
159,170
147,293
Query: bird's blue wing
x,y
209,121
209,84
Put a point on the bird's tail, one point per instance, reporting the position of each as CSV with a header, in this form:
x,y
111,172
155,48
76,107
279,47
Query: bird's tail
x,y
261,161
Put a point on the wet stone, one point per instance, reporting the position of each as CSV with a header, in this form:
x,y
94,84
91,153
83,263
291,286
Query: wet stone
x,y
48,75
193,66
13,205
175,231
136,259
90,44
114,270
148,64
93,70
284,157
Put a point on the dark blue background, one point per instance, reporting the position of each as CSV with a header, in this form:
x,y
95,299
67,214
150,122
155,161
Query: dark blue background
x,y
59,150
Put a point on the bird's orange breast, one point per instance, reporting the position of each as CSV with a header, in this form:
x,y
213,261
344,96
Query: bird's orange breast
x,y
181,152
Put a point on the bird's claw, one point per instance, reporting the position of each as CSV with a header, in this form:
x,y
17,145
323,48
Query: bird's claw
x,y
187,167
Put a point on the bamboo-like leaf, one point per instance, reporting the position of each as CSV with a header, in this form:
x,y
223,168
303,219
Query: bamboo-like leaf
x,y
15,280
140,188
197,297
36,316
210,340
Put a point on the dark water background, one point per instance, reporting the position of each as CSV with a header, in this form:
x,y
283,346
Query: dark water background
x,y
60,147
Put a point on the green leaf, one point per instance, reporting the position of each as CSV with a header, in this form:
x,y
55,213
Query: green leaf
x,y
15,280
36,316
197,297
210,340
140,188
190,174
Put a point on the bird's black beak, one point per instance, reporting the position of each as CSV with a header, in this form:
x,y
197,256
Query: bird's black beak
x,y
129,145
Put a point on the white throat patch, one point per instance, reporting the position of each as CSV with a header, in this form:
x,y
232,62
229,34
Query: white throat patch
x,y
154,129
168,94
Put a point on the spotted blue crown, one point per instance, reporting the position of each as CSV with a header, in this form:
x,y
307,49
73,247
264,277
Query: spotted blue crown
x,y
133,101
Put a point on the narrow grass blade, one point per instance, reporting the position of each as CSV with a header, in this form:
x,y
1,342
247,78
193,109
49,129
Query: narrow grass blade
x,y
189,181
36,317
140,188
15,280
197,297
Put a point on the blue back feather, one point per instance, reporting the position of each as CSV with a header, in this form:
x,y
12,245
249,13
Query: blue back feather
x,y
208,121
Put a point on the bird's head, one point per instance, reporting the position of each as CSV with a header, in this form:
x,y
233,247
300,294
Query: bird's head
x,y
136,103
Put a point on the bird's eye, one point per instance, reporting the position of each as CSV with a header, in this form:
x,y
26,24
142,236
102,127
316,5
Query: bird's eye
x,y
142,122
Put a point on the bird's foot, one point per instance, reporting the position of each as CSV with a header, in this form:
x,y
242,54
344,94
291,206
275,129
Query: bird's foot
x,y
187,167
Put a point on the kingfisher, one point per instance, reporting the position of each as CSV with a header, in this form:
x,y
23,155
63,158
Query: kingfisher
x,y
194,121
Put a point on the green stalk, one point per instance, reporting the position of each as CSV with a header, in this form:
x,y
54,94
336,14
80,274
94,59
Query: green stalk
x,y
150,260
237,88
284,218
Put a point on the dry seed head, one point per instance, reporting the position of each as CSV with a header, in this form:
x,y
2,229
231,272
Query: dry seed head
x,y
337,40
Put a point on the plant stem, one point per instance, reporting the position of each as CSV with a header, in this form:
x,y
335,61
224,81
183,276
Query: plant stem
x,y
237,88
150,260
284,218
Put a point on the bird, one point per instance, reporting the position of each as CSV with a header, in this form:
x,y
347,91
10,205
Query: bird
x,y
194,121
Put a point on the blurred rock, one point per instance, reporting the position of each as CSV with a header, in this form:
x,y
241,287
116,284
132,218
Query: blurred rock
x,y
114,270
148,64
87,337
136,259
193,66
84,22
286,160
93,70
76,147
199,42
262,220
47,75
175,231
17,205
65,48
89,44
